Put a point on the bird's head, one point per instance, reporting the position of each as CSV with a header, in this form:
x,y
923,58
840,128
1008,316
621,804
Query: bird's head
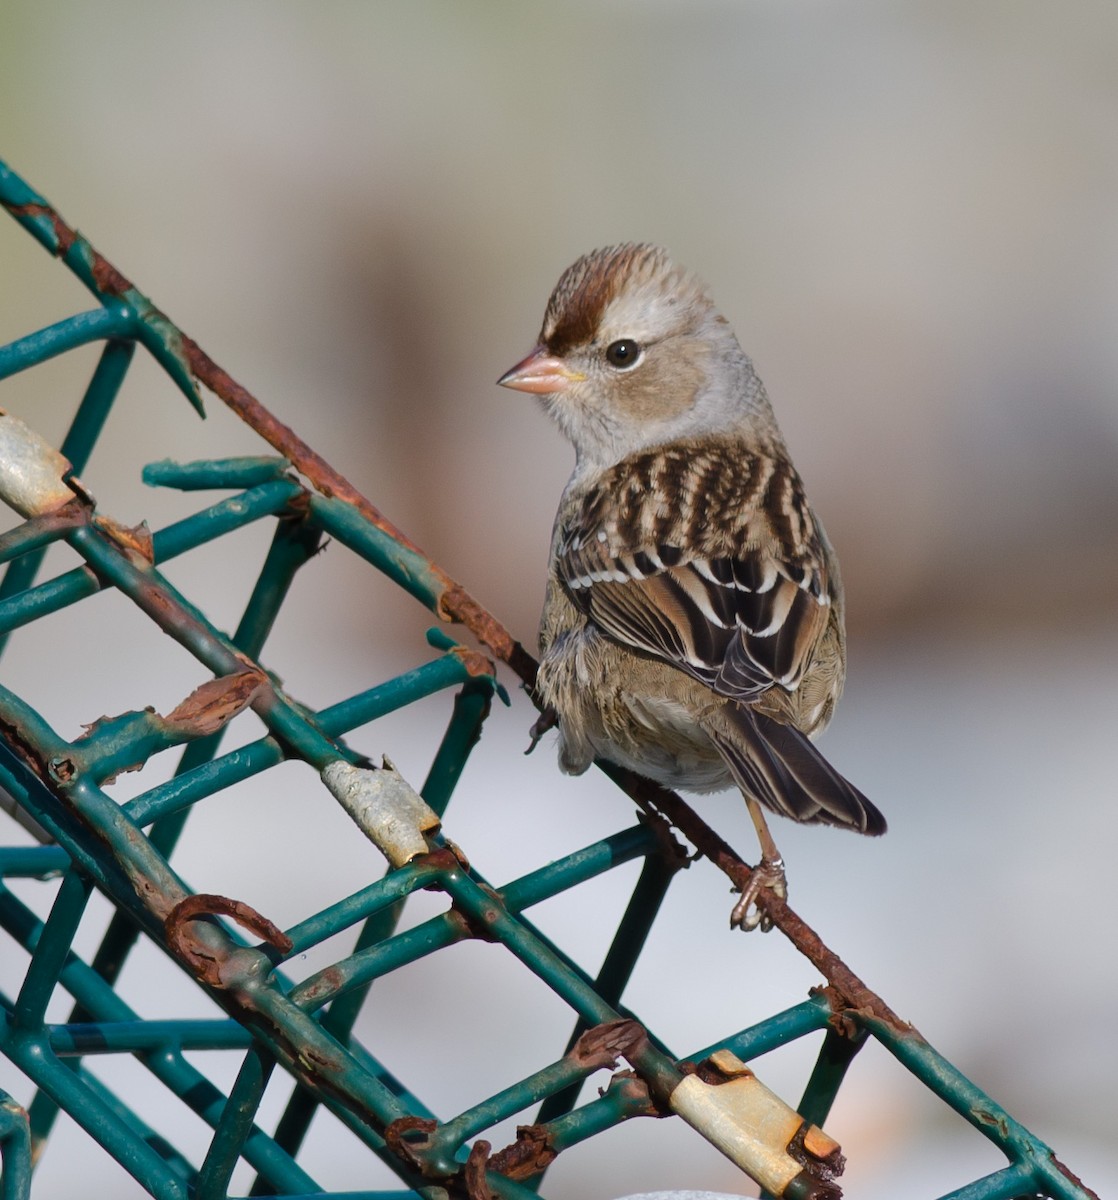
x,y
633,354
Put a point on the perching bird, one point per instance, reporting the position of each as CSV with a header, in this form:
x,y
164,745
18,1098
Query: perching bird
x,y
693,624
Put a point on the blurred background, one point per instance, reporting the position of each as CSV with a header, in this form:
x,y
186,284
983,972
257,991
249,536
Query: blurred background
x,y
908,213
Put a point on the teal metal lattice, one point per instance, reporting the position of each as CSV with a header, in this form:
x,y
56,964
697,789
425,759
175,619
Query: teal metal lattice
x,y
122,849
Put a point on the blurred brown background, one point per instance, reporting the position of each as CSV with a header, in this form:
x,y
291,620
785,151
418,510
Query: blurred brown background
x,y
907,211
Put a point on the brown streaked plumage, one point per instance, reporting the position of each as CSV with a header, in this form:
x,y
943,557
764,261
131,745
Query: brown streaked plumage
x,y
693,625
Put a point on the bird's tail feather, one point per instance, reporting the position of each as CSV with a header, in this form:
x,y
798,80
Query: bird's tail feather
x,y
778,766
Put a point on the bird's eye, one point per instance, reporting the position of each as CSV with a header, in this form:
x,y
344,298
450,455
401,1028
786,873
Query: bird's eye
x,y
623,353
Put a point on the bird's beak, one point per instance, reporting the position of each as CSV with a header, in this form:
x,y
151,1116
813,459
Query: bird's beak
x,y
541,373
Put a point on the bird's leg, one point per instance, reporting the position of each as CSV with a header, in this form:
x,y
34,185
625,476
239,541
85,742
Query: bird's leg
x,y
768,873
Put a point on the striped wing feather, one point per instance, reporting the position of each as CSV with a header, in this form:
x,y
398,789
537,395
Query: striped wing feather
x,y
717,593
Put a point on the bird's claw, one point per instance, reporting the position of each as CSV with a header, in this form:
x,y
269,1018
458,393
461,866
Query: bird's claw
x,y
547,720
767,875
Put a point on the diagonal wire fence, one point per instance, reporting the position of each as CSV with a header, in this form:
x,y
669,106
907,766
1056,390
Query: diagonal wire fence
x,y
83,841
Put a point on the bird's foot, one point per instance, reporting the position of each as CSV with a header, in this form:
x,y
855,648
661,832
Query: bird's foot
x,y
769,875
547,720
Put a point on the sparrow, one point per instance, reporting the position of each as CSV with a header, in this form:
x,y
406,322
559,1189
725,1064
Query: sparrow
x,y
692,629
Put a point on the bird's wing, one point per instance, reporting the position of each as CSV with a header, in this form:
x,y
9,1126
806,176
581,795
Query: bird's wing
x,y
705,556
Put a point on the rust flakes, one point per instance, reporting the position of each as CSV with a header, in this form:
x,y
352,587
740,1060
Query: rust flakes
x,y
995,1121
207,709
456,604
205,965
134,540
400,1137
108,279
475,663
820,1156
473,1173
636,1096
530,1155
213,705
842,1019
603,1045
